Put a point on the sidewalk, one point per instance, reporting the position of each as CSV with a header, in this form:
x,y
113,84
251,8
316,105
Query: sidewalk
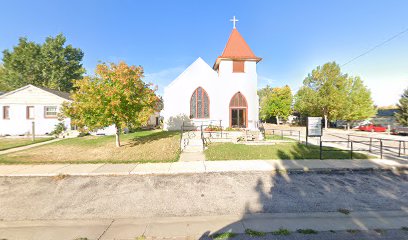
x,y
197,227
16,149
199,167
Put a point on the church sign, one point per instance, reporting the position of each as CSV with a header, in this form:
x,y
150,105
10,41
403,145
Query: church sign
x,y
314,127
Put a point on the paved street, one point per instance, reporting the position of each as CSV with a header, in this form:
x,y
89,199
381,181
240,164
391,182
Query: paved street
x,y
203,194
196,205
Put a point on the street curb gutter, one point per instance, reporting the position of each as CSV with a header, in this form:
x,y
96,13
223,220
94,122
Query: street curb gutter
x,y
396,170
197,226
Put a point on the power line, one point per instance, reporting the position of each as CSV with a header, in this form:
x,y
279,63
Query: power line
x,y
376,46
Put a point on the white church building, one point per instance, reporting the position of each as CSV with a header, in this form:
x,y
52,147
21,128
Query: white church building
x,y
225,94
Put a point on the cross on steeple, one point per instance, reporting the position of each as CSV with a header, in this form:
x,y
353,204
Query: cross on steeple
x,y
234,20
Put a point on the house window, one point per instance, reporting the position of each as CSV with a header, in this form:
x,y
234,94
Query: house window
x,y
199,104
50,112
238,66
30,112
6,112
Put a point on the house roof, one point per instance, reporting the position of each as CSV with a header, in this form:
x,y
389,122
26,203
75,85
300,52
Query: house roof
x,y
237,49
64,95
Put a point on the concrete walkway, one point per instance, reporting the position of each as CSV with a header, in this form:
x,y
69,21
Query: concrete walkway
x,y
192,157
198,167
198,227
16,149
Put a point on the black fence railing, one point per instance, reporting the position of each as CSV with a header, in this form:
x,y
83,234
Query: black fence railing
x,y
372,144
384,144
282,133
351,147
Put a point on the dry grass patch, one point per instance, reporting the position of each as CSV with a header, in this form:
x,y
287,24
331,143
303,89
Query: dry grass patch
x,y
8,143
143,146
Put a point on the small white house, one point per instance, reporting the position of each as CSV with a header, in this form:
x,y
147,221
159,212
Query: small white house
x,y
30,104
20,108
225,94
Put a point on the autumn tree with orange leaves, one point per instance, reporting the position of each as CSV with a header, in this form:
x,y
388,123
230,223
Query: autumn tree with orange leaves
x,y
116,95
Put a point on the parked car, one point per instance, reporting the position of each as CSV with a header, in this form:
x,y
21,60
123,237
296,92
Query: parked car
x,y
372,128
400,131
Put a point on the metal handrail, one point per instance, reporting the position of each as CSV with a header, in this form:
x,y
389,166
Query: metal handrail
x,y
282,132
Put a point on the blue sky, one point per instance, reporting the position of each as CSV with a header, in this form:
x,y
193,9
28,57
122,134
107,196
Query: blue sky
x,y
165,37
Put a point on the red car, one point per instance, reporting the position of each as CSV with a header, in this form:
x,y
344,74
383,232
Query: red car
x,y
372,128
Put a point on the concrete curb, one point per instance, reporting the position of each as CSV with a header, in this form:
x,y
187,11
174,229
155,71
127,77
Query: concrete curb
x,y
199,226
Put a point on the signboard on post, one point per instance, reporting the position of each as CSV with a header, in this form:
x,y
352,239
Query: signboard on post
x,y
313,127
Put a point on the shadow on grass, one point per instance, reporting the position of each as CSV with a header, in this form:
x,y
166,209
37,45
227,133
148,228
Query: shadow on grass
x,y
301,151
151,138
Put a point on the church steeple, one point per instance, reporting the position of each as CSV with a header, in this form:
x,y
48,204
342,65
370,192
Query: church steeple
x,y
236,49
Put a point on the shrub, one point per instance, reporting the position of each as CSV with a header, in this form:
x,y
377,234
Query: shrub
x,y
59,128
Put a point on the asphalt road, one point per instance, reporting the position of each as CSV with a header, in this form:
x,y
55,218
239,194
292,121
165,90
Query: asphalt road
x,y
23,198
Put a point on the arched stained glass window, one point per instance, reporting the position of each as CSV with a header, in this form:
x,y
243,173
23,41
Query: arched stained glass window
x,y
199,104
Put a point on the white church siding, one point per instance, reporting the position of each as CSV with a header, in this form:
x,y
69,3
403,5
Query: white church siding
x,y
177,95
246,83
221,83
220,89
233,72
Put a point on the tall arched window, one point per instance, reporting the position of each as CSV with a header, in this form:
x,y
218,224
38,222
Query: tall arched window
x,y
199,104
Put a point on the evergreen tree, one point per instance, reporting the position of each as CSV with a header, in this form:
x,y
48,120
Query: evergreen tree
x,y
402,114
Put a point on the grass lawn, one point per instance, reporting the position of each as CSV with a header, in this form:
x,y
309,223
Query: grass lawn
x,y
278,137
230,151
143,146
7,143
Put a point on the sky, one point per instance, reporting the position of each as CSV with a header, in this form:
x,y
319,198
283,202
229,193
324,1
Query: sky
x,y
165,37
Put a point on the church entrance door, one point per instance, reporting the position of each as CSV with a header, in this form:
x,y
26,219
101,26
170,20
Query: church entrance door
x,y
238,108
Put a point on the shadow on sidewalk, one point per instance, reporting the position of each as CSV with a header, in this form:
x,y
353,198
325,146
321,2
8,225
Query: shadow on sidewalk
x,y
334,192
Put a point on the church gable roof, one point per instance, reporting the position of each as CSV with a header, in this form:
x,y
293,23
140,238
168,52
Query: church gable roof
x,y
198,67
236,49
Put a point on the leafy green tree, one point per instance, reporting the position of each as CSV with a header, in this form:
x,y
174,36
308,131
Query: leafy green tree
x,y
323,93
402,114
329,93
359,103
306,102
22,65
51,64
116,95
275,102
3,85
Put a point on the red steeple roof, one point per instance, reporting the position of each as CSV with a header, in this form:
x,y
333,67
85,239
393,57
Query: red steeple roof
x,y
236,49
